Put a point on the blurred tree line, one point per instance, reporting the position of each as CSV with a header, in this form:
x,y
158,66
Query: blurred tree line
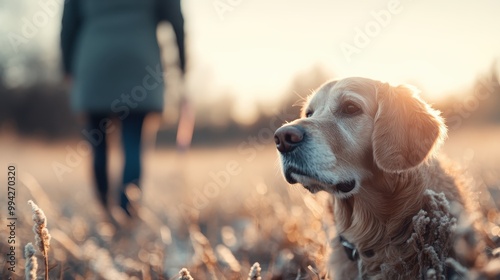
x,y
32,105
40,108
476,105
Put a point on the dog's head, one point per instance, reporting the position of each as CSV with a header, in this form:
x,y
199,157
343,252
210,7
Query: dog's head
x,y
354,127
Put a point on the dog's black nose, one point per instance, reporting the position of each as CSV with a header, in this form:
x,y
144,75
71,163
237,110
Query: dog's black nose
x,y
288,137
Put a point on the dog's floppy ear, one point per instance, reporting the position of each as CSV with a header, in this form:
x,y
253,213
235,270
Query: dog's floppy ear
x,y
406,129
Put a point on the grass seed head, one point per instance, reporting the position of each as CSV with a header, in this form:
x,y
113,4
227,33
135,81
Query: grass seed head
x,y
42,236
184,274
31,262
255,272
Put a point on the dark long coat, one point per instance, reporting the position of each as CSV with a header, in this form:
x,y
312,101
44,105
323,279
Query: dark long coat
x,y
110,50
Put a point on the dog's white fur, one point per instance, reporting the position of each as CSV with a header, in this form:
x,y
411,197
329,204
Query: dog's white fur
x,y
388,148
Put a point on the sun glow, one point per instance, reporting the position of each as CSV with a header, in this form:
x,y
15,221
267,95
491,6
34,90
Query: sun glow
x,y
259,46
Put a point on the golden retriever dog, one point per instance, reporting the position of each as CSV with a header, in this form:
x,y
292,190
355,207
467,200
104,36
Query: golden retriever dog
x,y
373,147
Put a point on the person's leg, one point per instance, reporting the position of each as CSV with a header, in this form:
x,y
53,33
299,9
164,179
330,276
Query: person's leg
x,y
131,139
99,147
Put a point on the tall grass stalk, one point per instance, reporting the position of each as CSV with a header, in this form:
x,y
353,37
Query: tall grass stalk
x,y
42,236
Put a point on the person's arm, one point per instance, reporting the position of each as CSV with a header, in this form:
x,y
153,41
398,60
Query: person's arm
x,y
170,10
70,27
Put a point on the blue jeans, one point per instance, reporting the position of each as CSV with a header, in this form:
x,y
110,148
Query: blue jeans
x,y
131,134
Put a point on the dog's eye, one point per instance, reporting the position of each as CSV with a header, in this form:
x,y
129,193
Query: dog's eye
x,y
350,108
309,114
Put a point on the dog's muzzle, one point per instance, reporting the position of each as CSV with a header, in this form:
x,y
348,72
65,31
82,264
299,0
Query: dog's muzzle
x,y
287,139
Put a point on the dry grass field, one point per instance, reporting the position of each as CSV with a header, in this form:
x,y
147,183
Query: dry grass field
x,y
215,211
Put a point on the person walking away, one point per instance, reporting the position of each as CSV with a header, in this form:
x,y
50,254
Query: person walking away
x,y
112,59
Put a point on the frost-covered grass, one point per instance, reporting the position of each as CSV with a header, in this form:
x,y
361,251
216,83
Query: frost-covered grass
x,y
249,216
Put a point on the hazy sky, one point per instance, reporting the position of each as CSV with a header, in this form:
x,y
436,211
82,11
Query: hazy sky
x,y
253,48
258,45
